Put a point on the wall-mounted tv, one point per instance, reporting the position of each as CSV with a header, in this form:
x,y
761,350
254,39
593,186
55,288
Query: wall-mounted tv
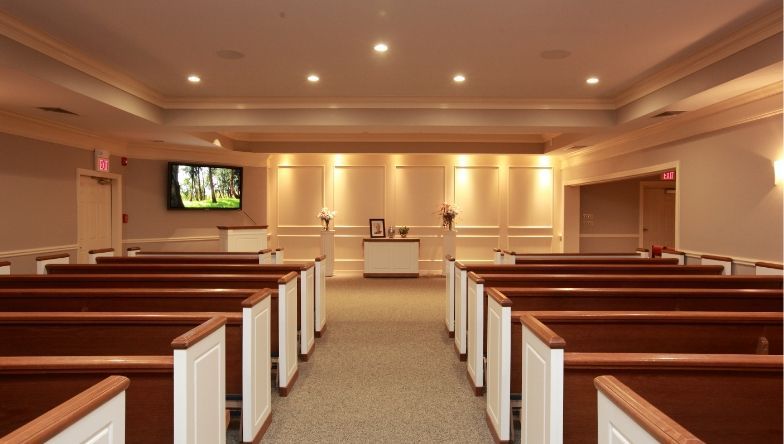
x,y
204,187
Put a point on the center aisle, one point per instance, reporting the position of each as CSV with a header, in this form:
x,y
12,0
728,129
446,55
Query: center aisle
x,y
385,371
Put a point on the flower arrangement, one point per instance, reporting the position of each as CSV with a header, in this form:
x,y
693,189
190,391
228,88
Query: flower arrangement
x,y
403,231
326,216
448,213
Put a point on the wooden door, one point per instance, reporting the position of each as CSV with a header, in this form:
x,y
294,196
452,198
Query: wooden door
x,y
658,216
95,215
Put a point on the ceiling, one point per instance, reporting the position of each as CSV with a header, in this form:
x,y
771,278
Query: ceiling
x,y
122,67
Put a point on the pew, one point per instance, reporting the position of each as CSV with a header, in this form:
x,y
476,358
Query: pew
x,y
726,417
42,261
5,268
456,292
93,255
674,254
96,411
319,295
473,325
569,387
247,352
723,261
261,257
510,257
611,332
277,256
768,269
305,274
150,283
175,397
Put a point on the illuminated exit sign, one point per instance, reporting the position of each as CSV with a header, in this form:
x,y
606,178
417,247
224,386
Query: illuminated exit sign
x,y
101,160
668,175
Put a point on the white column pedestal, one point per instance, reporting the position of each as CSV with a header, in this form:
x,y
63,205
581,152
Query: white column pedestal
x,y
328,250
448,248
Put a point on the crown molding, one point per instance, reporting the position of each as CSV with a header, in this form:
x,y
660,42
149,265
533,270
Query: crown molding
x,y
386,137
479,103
174,152
755,32
49,46
755,105
54,132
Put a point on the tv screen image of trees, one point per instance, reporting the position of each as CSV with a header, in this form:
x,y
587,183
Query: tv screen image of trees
x,y
204,187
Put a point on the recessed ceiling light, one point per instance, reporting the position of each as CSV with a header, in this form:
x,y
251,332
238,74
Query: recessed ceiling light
x,y
592,80
459,78
313,78
381,47
193,78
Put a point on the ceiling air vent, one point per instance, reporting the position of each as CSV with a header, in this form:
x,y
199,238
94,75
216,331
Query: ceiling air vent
x,y
668,114
56,109
576,147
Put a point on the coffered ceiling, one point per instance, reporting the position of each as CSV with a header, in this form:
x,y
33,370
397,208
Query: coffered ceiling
x,y
122,67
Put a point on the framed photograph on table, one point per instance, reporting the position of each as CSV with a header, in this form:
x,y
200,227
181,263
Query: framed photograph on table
x,y
377,228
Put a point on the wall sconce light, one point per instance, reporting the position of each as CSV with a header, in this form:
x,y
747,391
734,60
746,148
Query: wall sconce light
x,y
778,171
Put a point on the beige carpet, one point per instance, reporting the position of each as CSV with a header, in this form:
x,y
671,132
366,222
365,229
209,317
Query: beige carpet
x,y
384,372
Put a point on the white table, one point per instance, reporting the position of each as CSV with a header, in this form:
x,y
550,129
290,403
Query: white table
x,y
391,257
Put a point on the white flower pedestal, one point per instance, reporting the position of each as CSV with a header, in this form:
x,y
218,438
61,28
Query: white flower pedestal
x,y
449,239
328,250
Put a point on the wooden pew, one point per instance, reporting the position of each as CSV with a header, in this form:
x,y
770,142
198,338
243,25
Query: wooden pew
x,y
5,268
261,257
723,261
612,332
305,289
473,327
726,417
570,388
248,340
456,291
42,261
96,411
511,257
768,269
319,295
177,397
286,312
93,255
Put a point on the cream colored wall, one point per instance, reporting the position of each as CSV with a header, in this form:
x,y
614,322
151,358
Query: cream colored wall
x,y
727,201
151,225
614,209
505,201
38,198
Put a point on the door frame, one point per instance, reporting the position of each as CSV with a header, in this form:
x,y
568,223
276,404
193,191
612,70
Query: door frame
x,y
116,211
571,207
661,185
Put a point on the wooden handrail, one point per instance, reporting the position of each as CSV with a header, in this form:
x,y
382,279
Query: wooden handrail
x,y
323,257
475,277
769,265
258,297
543,332
66,414
288,278
654,421
115,364
695,317
242,227
196,334
101,250
125,317
5,263
52,256
625,292
717,258
727,362
499,297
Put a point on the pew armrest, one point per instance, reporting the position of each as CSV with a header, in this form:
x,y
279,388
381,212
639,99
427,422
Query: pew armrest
x,y
98,411
622,412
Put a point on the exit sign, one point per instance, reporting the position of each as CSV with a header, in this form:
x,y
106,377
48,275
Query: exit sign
x,y
102,160
668,175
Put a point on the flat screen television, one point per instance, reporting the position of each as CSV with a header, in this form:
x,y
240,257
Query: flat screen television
x,y
204,187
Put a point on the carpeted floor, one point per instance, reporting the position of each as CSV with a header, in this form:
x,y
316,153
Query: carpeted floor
x,y
385,371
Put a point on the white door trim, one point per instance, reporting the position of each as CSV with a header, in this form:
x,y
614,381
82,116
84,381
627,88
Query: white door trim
x,y
116,206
